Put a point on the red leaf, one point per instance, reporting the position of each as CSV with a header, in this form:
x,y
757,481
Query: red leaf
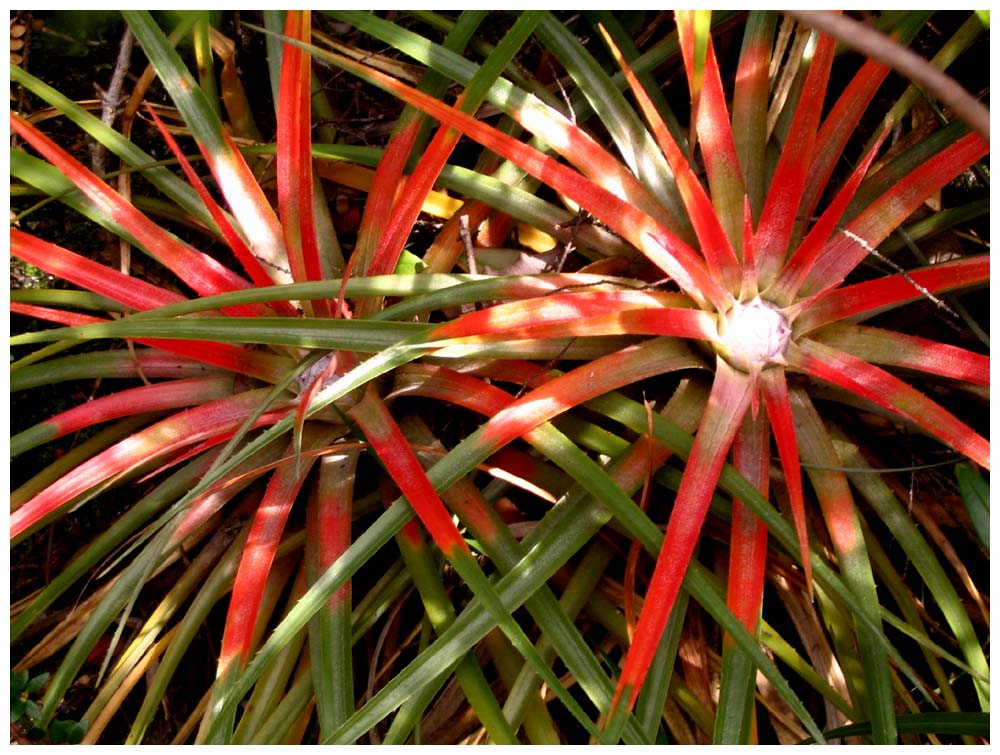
x,y
60,316
748,546
294,156
795,271
729,401
864,300
328,524
553,310
236,243
662,247
781,207
202,273
715,134
156,441
715,246
838,127
889,392
394,451
147,398
258,556
779,411
136,293
842,253
387,185
910,352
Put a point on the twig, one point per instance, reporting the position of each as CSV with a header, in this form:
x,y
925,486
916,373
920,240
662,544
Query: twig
x,y
466,236
882,48
112,98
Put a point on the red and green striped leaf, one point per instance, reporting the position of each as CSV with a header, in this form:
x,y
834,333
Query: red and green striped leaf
x,y
156,397
843,253
889,392
781,209
201,272
728,402
165,437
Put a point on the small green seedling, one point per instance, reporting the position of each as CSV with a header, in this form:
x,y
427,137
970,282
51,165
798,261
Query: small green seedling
x,y
26,713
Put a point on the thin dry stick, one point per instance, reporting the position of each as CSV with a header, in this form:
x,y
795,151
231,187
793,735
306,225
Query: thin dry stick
x,y
882,48
112,98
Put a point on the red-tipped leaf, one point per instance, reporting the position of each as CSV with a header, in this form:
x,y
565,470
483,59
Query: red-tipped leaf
x,y
202,273
843,253
781,208
727,404
889,392
159,440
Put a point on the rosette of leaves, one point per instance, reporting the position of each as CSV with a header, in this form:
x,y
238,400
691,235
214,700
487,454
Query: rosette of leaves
x,y
707,298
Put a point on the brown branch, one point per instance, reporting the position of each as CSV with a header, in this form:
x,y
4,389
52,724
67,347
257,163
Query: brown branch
x,y
882,48
112,99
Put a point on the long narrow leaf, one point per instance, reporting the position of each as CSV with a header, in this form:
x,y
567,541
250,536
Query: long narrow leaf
x,y
157,441
745,590
843,253
889,392
728,403
845,531
715,246
395,453
664,249
250,207
204,274
711,120
781,208
149,398
294,164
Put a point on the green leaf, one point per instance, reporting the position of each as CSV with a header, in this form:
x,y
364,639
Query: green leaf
x,y
36,683
409,263
971,724
18,683
976,496
67,732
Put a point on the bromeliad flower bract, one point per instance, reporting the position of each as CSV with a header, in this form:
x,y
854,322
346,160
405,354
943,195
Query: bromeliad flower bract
x,y
723,259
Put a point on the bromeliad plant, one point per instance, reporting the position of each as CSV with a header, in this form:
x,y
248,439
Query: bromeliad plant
x,y
703,299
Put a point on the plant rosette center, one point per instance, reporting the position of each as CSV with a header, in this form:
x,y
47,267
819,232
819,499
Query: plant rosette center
x,y
753,335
